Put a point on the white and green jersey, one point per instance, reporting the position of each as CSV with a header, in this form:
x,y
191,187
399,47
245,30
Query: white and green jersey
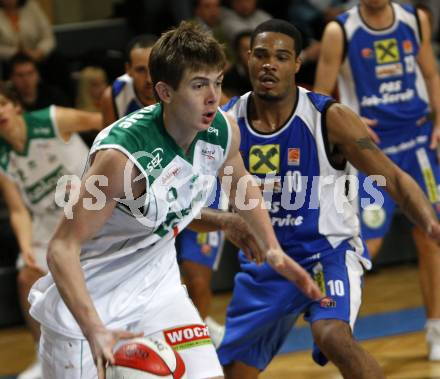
x,y
127,259
36,170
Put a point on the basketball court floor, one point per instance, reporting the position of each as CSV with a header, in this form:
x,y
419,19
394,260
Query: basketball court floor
x,y
390,326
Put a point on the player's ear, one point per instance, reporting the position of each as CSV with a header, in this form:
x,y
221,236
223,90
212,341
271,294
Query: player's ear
x,y
164,91
18,108
298,62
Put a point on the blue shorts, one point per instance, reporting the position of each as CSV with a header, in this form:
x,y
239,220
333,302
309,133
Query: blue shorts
x,y
265,306
420,162
202,248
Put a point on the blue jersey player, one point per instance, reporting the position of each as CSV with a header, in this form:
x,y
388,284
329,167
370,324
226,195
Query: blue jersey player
x,y
134,89
298,143
387,74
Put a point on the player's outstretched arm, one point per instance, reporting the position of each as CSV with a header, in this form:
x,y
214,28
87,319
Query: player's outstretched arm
x,y
330,59
232,224
349,134
20,218
428,67
71,120
108,108
244,187
64,250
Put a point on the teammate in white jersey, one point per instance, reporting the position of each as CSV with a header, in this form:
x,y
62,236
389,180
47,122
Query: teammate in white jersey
x,y
113,263
380,55
134,89
34,154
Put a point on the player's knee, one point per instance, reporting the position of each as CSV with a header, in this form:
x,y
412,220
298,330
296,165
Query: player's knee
x,y
26,278
332,335
197,281
374,245
23,278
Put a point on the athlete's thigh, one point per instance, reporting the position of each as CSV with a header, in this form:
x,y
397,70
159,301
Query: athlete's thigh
x,y
262,311
65,358
176,320
202,248
422,165
339,276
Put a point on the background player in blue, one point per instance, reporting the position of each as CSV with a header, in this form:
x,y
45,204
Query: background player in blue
x,y
128,93
292,139
387,74
134,89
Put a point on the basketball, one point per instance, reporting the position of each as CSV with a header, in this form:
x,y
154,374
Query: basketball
x,y
146,358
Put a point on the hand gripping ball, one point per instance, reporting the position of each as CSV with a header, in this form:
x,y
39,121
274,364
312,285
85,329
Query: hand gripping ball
x,y
146,358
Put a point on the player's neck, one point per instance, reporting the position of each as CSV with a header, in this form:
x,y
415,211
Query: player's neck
x,y
269,116
175,127
29,97
381,18
146,101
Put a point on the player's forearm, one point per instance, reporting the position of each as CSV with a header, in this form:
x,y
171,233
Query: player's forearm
x,y
210,221
21,224
257,216
413,201
64,265
325,80
433,87
92,121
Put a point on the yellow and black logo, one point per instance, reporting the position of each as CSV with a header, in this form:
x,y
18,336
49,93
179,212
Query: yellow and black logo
x,y
387,51
264,159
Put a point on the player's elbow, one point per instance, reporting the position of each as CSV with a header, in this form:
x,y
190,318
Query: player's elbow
x,y
56,252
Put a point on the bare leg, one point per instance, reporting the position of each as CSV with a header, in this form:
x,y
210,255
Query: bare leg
x,y
240,370
374,245
429,272
335,340
26,278
429,276
198,282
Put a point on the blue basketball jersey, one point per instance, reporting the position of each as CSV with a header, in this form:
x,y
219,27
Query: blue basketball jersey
x,y
308,205
124,97
380,78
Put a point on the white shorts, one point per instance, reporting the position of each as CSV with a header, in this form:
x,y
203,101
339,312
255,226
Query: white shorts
x,y
173,316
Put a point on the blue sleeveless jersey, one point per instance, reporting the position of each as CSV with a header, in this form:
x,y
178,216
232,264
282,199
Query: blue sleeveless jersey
x,y
380,78
308,206
125,100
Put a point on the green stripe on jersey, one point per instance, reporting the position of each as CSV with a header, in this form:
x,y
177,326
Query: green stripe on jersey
x,y
143,135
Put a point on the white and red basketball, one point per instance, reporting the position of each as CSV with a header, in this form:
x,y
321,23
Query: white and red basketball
x,y
146,358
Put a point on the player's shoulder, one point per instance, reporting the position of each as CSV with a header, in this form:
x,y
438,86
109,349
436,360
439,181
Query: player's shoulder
x,y
219,132
120,83
5,152
134,132
41,123
237,106
319,101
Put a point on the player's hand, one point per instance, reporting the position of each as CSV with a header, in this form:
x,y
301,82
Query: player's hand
x,y
434,231
101,341
435,139
292,271
28,256
370,124
238,232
